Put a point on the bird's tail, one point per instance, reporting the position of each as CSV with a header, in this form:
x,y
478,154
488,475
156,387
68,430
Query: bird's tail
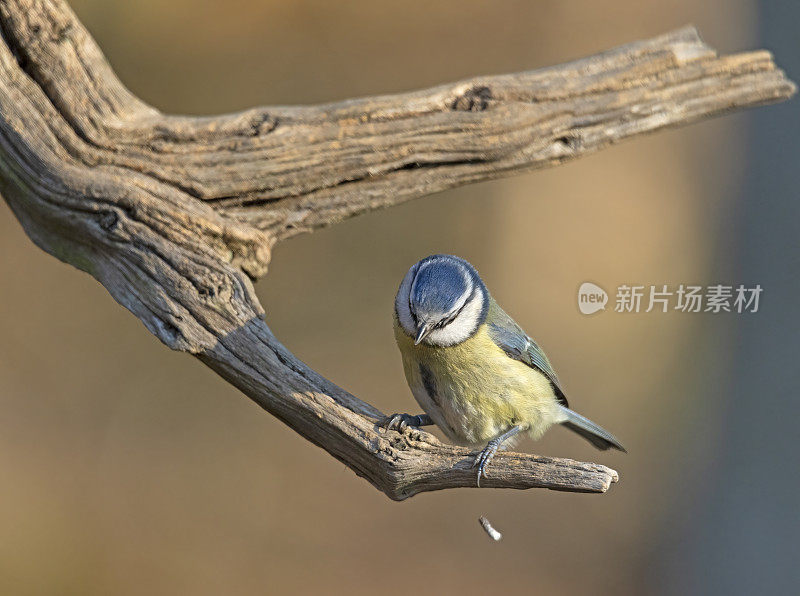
x,y
596,435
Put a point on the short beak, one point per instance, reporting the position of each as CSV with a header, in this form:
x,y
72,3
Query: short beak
x,y
422,332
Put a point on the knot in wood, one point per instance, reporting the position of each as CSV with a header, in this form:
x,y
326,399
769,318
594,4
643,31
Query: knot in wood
x,y
108,220
474,100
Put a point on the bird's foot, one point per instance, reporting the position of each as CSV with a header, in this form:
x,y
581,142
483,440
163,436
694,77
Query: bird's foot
x,y
400,422
485,457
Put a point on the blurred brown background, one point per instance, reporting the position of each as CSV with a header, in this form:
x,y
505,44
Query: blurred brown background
x,y
129,469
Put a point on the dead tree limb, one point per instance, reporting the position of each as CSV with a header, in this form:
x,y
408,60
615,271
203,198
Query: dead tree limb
x,y
175,215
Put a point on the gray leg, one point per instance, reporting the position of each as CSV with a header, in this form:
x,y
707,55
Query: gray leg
x,y
484,457
401,422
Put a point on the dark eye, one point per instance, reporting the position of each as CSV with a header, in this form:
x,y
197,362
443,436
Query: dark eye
x,y
446,321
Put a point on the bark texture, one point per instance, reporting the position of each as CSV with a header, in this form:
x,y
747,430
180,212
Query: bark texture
x,y
176,215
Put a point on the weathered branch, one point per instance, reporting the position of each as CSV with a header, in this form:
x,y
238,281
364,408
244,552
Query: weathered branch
x,y
174,215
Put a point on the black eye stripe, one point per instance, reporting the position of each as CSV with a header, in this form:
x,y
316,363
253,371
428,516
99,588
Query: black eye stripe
x,y
414,271
453,316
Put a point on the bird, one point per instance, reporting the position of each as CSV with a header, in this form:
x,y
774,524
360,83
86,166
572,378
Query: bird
x,y
472,369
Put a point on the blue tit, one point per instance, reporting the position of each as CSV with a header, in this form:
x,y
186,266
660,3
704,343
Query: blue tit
x,y
472,369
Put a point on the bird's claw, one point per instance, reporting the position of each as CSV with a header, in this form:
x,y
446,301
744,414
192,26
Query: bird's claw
x,y
400,422
485,457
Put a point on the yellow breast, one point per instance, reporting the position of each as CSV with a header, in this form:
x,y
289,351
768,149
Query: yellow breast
x,y
474,391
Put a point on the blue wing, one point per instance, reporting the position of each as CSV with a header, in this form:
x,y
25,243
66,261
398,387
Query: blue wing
x,y
509,337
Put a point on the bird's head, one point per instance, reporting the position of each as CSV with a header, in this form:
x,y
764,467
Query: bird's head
x,y
441,301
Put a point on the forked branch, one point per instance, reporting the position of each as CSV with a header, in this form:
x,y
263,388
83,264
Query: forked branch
x,y
175,215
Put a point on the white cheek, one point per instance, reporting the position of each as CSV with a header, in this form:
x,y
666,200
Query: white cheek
x,y
402,307
461,328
